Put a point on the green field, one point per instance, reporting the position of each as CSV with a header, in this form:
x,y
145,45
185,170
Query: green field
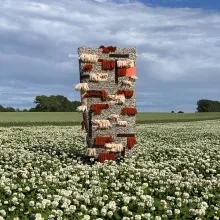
x,y
75,118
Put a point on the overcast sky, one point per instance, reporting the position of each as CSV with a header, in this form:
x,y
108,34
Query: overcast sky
x,y
178,44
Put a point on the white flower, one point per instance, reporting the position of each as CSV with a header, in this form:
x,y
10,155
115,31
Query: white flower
x,y
163,203
201,212
59,213
110,214
31,203
103,212
177,211
126,199
193,212
2,212
124,209
112,205
86,217
169,212
94,211
105,197
27,188
185,195
204,205
54,204
137,217
147,216
38,217
83,207
11,209
51,217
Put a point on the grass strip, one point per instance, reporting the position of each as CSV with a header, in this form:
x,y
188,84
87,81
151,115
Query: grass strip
x,y
153,121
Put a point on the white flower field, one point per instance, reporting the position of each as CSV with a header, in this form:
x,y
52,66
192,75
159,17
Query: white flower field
x,y
174,174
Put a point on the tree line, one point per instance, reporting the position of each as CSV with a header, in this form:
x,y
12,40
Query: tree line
x,y
60,103
205,105
44,103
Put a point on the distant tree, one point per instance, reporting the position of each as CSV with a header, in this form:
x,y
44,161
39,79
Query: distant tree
x,y
172,112
205,105
9,109
74,105
32,110
180,112
55,104
44,103
2,109
215,106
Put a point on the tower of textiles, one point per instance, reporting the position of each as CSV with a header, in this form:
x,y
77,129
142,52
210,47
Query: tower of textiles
x,y
108,100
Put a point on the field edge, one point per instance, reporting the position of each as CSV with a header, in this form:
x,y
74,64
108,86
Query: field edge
x,y
153,121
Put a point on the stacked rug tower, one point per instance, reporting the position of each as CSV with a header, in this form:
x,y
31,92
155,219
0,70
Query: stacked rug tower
x,y
108,100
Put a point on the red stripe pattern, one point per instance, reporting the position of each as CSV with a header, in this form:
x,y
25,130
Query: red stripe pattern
x,y
129,111
102,94
131,141
107,49
108,64
98,107
126,93
106,156
87,67
83,125
102,140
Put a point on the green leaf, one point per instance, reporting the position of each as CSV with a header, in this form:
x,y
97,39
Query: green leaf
x,y
117,216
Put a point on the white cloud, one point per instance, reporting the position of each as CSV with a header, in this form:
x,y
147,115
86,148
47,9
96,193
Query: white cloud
x,y
174,45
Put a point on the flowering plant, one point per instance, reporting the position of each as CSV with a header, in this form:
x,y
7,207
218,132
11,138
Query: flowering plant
x,y
174,174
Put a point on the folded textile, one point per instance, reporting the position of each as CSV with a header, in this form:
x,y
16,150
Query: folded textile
x,y
87,67
131,141
126,93
106,156
98,107
83,125
102,94
129,111
108,64
101,140
107,49
126,71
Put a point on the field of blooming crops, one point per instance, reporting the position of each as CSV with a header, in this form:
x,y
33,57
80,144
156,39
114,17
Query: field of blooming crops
x,y
174,174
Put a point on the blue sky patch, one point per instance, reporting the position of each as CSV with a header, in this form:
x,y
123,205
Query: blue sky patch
x,y
204,4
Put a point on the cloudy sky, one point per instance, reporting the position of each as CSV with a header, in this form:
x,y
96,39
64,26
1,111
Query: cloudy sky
x,y
178,43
